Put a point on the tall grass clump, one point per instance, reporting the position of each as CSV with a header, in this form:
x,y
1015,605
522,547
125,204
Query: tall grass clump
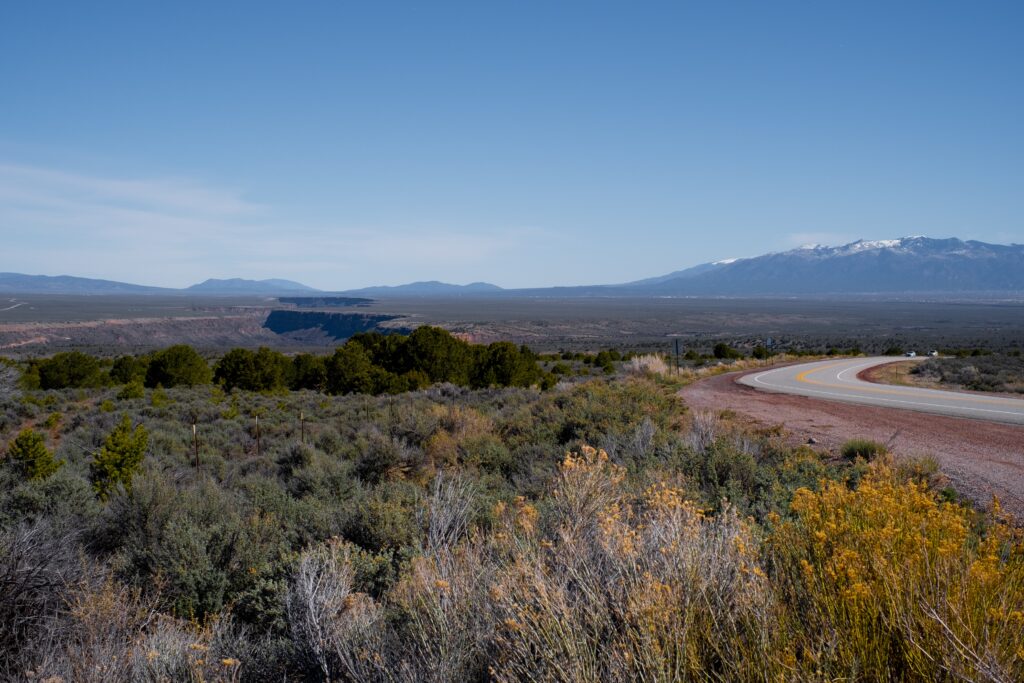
x,y
862,448
648,364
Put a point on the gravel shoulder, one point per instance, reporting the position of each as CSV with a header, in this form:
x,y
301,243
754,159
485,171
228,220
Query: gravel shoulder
x,y
981,459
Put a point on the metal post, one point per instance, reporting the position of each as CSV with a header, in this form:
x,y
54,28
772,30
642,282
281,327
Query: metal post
x,y
195,442
302,428
257,435
677,356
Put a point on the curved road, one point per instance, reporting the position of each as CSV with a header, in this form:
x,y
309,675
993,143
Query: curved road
x,y
836,380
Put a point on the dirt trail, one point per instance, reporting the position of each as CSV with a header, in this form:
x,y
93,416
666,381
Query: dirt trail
x,y
982,459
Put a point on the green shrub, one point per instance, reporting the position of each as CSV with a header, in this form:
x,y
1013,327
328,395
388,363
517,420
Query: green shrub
x,y
158,398
29,454
561,369
385,520
506,365
862,448
69,370
262,370
725,352
126,369
64,498
119,459
309,372
231,412
30,378
132,390
178,365
350,370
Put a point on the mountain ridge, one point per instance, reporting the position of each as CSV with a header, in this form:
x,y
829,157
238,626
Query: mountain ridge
x,y
237,285
907,265
19,283
903,265
428,288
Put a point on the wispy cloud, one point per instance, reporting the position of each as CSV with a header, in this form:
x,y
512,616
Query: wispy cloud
x,y
58,210
175,231
32,184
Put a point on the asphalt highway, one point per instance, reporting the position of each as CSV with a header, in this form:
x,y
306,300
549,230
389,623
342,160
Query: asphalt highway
x,y
836,380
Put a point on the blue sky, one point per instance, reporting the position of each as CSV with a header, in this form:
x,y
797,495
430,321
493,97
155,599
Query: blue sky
x,y
525,144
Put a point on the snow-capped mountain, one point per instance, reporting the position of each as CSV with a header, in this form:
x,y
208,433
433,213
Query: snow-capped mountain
x,y
908,264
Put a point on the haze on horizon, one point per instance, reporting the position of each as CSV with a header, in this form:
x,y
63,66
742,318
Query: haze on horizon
x,y
344,146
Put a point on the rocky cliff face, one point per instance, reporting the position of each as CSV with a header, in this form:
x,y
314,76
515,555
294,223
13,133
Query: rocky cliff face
x,y
318,325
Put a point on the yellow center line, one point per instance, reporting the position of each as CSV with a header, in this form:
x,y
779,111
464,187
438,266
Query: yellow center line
x,y
802,377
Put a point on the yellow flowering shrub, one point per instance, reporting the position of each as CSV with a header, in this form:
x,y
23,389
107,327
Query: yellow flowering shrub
x,y
900,584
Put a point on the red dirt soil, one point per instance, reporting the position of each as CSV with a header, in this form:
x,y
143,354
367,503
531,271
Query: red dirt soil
x,y
981,459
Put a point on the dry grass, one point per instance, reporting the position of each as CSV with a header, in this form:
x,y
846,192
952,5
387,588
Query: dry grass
x,y
653,365
603,583
620,589
111,633
901,373
649,364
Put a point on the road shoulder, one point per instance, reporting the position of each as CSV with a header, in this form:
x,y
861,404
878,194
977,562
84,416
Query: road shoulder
x,y
981,459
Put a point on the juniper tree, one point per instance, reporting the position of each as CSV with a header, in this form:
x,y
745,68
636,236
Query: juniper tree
x,y
178,365
29,453
71,369
119,459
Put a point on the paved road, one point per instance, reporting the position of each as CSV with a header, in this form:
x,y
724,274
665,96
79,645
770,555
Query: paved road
x,y
836,380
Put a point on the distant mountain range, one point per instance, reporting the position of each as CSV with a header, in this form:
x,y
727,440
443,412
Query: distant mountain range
x,y
432,288
239,286
16,283
909,265
897,266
